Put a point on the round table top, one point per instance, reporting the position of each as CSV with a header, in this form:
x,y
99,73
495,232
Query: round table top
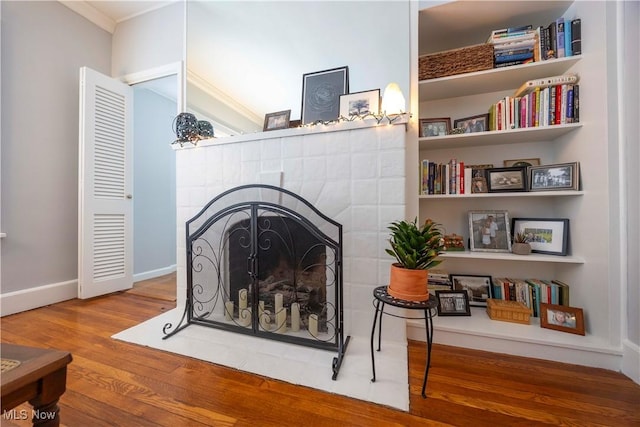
x,y
381,294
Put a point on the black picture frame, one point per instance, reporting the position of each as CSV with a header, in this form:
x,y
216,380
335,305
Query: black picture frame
x,y
500,180
453,303
473,124
477,287
277,120
321,92
547,235
498,236
558,177
432,127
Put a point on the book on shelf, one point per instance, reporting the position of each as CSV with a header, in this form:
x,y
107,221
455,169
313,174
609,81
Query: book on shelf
x,y
552,43
514,57
576,36
560,51
567,38
530,85
511,30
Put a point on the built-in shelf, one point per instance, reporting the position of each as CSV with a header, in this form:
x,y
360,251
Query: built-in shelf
x,y
497,195
506,256
481,325
497,137
494,80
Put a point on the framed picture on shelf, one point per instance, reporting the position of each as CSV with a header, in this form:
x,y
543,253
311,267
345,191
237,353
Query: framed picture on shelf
x,y
321,92
521,162
544,235
477,288
453,303
564,176
473,124
279,120
479,178
360,103
501,180
562,318
435,127
489,231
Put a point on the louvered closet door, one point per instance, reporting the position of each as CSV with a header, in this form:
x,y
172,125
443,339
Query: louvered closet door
x,y
105,251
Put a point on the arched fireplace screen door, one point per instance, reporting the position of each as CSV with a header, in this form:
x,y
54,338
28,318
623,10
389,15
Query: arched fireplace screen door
x,y
263,261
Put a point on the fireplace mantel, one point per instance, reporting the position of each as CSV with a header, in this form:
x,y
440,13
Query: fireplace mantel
x,y
300,131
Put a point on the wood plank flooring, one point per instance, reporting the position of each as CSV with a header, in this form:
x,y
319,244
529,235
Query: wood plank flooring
x,y
113,383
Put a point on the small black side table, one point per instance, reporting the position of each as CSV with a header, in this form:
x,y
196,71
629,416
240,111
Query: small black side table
x,y
382,297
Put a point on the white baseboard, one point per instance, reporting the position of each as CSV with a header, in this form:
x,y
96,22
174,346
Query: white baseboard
x,y
153,273
631,360
28,299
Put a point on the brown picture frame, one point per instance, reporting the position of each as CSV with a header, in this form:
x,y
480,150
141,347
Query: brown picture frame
x,y
433,127
473,124
278,120
562,318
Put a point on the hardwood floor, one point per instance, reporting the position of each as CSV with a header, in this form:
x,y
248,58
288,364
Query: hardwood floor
x,y
113,383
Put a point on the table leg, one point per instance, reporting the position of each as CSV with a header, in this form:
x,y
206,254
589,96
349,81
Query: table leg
x,y
373,334
380,325
429,331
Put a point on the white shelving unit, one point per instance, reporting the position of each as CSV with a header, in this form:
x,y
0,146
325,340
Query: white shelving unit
x,y
441,28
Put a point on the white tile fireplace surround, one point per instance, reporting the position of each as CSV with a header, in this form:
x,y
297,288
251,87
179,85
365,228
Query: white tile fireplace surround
x,y
353,173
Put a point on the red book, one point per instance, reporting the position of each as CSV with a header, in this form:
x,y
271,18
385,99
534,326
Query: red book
x,y
558,119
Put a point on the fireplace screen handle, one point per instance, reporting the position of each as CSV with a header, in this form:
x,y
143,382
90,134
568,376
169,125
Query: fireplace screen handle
x,y
252,266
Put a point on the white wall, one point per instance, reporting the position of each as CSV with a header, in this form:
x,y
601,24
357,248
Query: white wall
x,y
43,46
148,41
154,184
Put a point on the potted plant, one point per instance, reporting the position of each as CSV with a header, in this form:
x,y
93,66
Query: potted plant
x,y
521,244
415,250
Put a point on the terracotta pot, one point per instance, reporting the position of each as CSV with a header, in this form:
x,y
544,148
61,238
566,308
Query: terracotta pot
x,y
521,248
408,284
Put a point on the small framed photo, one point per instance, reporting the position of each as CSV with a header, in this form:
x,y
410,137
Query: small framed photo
x,y
360,103
489,231
544,235
473,124
477,288
321,92
453,303
479,178
564,176
435,127
279,120
562,318
521,162
500,180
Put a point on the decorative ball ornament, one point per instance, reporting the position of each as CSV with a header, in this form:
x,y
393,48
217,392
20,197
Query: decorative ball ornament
x,y
185,126
205,129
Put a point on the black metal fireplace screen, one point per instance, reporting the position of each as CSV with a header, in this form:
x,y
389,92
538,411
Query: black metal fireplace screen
x,y
263,261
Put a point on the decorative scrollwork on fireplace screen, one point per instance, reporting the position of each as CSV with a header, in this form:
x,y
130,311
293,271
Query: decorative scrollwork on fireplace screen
x,y
263,261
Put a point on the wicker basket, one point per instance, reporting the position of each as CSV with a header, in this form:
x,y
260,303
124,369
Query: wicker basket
x,y
508,311
456,61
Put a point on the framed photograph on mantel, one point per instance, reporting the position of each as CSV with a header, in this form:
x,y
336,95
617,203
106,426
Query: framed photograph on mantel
x,y
321,92
279,120
360,103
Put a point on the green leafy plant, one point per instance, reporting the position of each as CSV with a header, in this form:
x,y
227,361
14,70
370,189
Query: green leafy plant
x,y
416,248
521,237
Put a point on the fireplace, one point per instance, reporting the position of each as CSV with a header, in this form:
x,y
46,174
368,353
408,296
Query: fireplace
x,y
263,261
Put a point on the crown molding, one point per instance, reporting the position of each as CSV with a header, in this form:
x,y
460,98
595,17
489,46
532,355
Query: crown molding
x,y
87,11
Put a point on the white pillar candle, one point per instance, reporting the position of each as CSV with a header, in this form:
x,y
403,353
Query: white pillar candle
x,y
313,324
278,303
244,316
265,320
242,298
281,321
228,310
295,317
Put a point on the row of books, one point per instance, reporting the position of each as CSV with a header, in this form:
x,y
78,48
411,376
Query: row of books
x,y
531,292
520,45
444,178
544,102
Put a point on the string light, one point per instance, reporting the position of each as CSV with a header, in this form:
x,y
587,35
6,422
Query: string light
x,y
379,118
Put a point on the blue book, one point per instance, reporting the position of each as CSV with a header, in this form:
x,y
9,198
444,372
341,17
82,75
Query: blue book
x,y
567,40
515,57
560,53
